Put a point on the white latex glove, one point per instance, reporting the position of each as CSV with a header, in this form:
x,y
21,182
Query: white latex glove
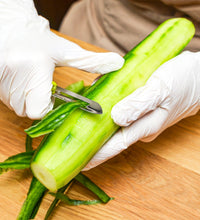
x,y
29,52
171,94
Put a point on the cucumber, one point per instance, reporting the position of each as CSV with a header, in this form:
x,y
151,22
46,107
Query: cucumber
x,y
70,147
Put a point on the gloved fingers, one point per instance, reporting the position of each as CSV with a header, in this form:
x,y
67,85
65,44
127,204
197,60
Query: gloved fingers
x,y
38,93
112,147
5,84
14,78
29,92
67,53
149,126
145,99
20,78
37,108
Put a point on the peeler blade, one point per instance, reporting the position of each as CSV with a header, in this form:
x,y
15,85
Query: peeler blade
x,y
92,107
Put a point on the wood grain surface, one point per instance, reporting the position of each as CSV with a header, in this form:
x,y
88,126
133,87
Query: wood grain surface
x,y
152,181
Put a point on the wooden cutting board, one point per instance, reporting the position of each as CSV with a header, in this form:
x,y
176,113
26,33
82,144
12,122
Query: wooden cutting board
x,y
158,180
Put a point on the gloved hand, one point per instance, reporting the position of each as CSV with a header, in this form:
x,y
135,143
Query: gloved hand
x,y
29,52
171,94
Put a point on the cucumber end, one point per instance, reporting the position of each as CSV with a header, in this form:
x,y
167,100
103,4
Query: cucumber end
x,y
44,176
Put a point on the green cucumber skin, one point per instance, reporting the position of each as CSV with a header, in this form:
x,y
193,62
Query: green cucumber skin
x,y
68,149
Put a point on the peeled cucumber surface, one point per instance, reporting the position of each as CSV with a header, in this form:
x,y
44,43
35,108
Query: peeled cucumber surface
x,y
70,147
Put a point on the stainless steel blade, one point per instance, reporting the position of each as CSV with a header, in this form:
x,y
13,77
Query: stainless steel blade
x,y
92,107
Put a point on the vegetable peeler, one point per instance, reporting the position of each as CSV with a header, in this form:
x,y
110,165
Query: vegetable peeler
x,y
69,96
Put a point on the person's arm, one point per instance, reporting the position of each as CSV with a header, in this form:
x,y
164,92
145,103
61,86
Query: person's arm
x,y
171,94
29,52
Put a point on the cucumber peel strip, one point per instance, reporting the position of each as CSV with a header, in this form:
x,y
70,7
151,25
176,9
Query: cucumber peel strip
x,y
34,198
73,202
56,200
56,117
28,142
53,119
85,181
18,161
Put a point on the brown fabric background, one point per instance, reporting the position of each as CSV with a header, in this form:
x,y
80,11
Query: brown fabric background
x,y
118,25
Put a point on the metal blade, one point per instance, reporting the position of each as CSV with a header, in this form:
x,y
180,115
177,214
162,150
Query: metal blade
x,y
92,107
